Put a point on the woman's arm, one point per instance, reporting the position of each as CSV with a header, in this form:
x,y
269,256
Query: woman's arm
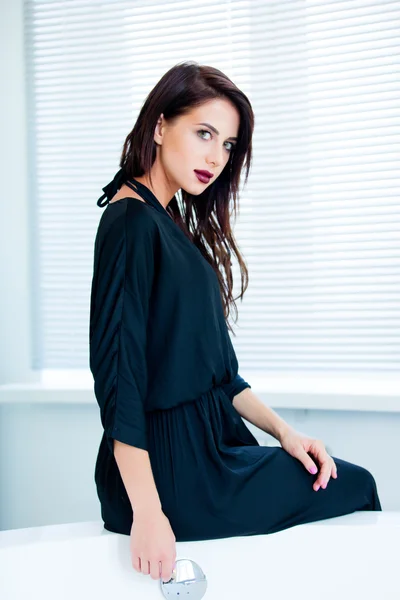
x,y
137,475
256,412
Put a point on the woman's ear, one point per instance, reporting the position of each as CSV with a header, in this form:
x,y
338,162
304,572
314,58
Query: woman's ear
x,y
158,130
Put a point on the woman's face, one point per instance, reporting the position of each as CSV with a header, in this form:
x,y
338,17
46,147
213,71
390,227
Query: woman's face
x,y
191,143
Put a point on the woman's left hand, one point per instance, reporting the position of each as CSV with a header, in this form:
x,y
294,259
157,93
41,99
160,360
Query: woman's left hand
x,y
297,445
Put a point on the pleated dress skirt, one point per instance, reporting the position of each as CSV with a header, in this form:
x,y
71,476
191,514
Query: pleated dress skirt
x,y
215,480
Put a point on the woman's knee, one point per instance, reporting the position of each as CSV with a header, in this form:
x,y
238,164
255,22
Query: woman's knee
x,y
359,483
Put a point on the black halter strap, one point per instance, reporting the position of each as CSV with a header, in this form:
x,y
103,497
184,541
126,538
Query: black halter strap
x,y
112,188
144,192
147,195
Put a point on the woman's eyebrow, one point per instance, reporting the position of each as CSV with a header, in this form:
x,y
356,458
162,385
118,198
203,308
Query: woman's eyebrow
x,y
215,130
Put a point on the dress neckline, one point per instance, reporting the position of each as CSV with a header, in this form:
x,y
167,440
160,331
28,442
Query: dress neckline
x,y
147,195
144,192
149,198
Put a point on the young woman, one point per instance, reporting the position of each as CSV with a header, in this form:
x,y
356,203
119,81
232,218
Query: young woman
x,y
176,460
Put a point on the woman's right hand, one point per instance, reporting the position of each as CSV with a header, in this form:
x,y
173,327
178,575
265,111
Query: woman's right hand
x,y
152,541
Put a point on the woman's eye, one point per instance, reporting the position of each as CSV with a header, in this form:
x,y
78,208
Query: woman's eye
x,y
206,131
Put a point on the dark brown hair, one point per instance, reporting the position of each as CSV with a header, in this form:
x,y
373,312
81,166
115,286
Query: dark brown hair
x,y
204,218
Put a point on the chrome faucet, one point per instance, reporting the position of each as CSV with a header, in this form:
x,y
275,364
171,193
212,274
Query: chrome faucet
x,y
187,581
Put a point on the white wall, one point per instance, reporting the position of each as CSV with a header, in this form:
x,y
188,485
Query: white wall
x,y
48,451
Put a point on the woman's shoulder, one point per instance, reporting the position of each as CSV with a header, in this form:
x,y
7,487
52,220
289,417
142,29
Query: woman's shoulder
x,y
127,231
129,215
125,192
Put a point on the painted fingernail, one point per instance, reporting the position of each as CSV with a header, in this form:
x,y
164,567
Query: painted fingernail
x,y
313,470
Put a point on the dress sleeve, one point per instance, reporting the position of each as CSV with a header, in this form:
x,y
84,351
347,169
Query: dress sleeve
x,y
234,387
121,289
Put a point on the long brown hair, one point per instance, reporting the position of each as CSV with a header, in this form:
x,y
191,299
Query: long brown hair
x,y
204,218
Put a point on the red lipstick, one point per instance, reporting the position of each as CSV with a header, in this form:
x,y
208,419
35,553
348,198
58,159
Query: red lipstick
x,y
203,176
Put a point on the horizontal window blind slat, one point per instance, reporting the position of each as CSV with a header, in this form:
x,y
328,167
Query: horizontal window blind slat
x,y
319,220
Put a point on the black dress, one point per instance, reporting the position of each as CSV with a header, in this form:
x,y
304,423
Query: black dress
x,y
165,374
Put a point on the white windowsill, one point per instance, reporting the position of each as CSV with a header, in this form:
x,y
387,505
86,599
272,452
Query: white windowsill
x,y
297,390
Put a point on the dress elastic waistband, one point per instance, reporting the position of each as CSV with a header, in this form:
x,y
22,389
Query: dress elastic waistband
x,y
212,393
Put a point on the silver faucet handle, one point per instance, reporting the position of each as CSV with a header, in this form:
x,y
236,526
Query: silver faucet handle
x,y
187,581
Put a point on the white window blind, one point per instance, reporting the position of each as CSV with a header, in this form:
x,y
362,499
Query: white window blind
x,y
319,221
